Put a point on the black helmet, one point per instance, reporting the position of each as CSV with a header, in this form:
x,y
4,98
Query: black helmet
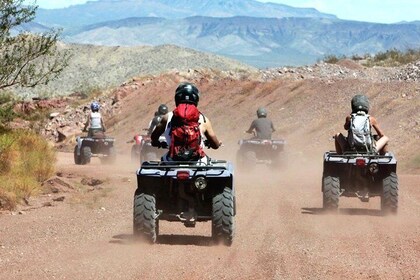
x,y
360,103
262,112
163,109
187,93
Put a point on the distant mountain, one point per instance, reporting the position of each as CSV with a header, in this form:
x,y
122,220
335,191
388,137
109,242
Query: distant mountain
x,y
261,42
108,10
100,66
260,34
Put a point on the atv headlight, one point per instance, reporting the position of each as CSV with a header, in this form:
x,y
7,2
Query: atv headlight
x,y
200,183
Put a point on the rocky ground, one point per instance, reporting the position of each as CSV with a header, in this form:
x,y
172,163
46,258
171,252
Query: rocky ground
x,y
81,228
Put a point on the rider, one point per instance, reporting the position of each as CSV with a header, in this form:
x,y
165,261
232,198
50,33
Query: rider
x,y
186,94
161,111
360,104
95,121
262,126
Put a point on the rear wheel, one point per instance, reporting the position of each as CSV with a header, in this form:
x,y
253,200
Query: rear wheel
x,y
389,198
223,224
246,160
86,155
111,157
145,223
331,192
135,157
77,158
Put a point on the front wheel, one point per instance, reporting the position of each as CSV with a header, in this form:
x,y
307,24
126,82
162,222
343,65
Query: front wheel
x,y
145,222
331,192
86,155
389,198
223,223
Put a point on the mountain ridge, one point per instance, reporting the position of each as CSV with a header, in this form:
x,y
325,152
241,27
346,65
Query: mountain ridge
x,y
105,10
261,42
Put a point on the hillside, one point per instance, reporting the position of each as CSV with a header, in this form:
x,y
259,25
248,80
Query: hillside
x,y
101,67
262,42
308,105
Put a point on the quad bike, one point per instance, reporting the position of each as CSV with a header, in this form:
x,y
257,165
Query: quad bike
x,y
96,146
362,175
260,151
187,192
142,149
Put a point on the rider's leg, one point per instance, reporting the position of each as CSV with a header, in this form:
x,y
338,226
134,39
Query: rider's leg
x,y
340,143
381,145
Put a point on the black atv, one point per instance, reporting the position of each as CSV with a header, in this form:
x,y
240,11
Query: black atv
x,y
142,149
260,151
185,192
88,147
362,175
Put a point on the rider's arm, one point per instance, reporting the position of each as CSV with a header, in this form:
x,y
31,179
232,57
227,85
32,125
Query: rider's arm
x,y
103,125
347,123
211,136
87,123
375,125
251,128
159,129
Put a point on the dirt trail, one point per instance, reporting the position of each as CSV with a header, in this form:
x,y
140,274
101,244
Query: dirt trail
x,y
281,234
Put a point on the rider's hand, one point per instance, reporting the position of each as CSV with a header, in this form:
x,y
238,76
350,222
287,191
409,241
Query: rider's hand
x,y
159,144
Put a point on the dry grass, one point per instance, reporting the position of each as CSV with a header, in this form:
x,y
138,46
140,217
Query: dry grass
x,y
26,160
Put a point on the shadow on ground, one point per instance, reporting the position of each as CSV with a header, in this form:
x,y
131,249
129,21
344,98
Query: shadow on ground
x,y
343,211
166,239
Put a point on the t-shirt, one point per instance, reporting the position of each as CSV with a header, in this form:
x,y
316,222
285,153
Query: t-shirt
x,y
264,128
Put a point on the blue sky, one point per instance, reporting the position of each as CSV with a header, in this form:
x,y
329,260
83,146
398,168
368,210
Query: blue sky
x,y
383,11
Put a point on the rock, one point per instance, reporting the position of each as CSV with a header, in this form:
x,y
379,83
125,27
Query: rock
x,y
91,182
67,132
61,198
53,115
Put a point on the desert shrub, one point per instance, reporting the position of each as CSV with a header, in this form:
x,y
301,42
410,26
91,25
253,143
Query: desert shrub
x,y
6,113
6,97
26,160
394,57
332,59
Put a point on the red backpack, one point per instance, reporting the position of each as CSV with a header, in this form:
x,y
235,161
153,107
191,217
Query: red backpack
x,y
185,134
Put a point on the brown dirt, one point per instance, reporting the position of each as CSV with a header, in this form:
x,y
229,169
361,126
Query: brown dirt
x,y
281,232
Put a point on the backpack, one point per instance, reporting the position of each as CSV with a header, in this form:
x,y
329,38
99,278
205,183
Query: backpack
x,y
359,136
185,134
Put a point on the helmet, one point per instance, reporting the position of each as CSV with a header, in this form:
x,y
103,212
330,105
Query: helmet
x,y
360,103
261,112
95,106
187,93
163,109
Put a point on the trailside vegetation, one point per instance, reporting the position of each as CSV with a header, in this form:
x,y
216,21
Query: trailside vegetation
x,y
26,160
26,59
